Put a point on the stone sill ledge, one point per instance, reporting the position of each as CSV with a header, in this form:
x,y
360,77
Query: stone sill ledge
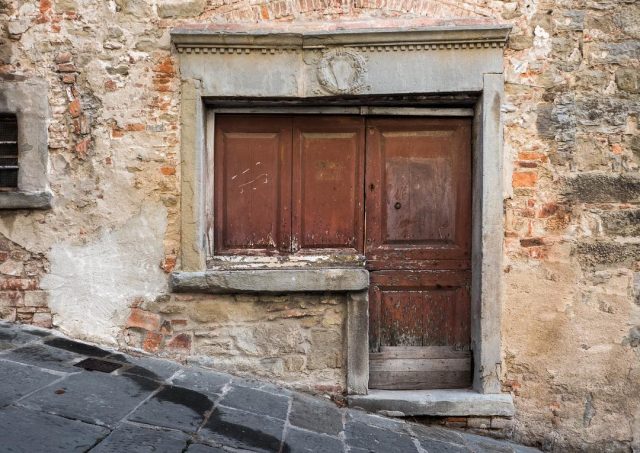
x,y
25,200
436,403
271,281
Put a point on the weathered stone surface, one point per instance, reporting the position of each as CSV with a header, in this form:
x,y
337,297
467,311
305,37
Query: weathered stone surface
x,y
240,429
57,433
45,357
127,437
174,407
180,8
628,80
361,435
76,347
607,253
599,188
256,401
202,381
93,397
13,335
309,424
621,223
200,448
441,403
300,441
19,380
148,367
314,415
271,281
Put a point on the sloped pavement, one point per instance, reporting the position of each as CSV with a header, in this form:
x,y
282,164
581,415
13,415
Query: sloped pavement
x,y
58,395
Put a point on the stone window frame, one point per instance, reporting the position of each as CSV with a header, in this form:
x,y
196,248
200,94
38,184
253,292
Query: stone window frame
x,y
26,99
464,59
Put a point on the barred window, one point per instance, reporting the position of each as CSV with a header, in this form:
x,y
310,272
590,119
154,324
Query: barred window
x,y
8,152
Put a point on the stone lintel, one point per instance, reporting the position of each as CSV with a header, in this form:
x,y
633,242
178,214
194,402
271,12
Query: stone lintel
x,y
271,281
436,403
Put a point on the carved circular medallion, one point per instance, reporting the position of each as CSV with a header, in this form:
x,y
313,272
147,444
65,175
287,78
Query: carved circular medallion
x,y
342,71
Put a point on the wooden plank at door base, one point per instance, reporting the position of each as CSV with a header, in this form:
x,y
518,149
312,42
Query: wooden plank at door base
x,y
415,367
419,364
418,380
420,352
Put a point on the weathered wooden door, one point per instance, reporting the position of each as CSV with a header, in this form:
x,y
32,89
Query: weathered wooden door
x,y
418,245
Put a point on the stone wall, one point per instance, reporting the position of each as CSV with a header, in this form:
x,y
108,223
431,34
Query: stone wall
x,y
297,340
99,259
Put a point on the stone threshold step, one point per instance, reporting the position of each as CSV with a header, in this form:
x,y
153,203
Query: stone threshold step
x,y
436,403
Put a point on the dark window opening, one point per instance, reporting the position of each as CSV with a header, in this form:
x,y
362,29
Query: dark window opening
x,y
8,152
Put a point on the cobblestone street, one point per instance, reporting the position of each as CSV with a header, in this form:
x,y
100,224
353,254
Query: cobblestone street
x,y
58,395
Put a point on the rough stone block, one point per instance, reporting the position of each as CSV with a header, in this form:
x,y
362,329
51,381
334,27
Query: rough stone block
x,y
180,8
602,188
501,423
628,80
326,349
36,298
479,422
606,253
621,223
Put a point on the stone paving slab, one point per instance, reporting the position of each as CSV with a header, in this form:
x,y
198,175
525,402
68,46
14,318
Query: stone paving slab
x,y
203,381
19,380
302,441
242,429
145,439
93,397
140,404
315,415
174,407
23,430
257,401
43,356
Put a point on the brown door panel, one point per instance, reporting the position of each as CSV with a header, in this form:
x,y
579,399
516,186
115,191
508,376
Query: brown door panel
x,y
252,185
419,308
328,180
418,189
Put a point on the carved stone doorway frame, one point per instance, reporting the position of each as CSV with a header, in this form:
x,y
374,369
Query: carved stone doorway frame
x,y
410,67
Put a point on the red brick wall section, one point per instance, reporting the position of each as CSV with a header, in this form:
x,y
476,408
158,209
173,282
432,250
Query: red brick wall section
x,y
21,300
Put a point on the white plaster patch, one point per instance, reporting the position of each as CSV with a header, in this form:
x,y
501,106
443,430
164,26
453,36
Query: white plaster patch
x,y
541,42
91,286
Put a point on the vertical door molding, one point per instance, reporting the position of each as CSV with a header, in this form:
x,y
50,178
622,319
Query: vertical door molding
x,y
192,158
487,237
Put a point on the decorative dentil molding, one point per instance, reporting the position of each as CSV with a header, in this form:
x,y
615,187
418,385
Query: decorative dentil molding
x,y
208,41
